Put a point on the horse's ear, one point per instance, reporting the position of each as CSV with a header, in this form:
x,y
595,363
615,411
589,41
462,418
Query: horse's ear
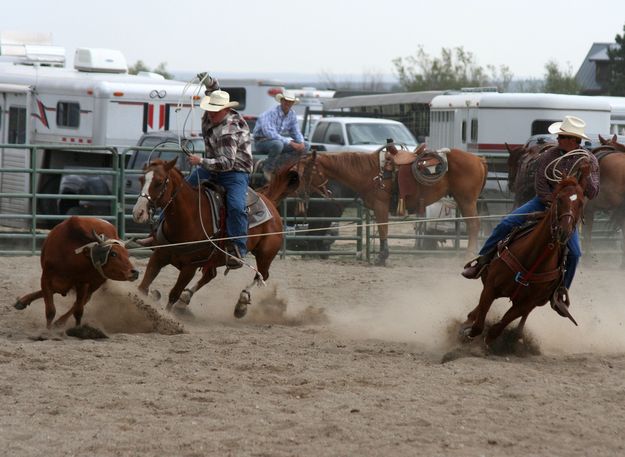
x,y
313,154
508,148
171,164
614,139
602,140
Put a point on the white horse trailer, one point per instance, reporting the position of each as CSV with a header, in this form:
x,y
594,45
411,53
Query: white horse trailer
x,y
484,122
96,103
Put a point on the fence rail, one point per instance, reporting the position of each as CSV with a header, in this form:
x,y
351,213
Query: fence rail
x,y
352,234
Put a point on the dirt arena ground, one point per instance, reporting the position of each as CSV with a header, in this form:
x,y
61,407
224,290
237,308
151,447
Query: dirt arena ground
x,y
335,358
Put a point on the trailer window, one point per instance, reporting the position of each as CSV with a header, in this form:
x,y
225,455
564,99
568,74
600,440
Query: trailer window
x,y
474,130
67,114
237,94
542,126
17,125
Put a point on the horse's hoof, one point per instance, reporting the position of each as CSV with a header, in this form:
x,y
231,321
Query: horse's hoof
x,y
20,305
155,295
185,297
380,262
240,309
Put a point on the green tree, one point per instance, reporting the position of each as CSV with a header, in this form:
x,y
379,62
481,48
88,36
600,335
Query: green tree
x,y
161,69
560,81
137,67
454,69
616,79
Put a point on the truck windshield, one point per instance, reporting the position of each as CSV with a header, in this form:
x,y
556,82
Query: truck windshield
x,y
372,133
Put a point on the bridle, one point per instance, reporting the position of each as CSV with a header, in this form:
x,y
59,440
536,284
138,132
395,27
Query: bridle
x,y
557,233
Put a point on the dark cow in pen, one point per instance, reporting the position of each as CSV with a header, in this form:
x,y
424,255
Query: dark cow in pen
x,y
80,253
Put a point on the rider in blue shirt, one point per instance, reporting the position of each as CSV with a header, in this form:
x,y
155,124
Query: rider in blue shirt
x,y
277,133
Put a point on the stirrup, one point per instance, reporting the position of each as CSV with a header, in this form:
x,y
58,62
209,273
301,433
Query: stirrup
x,y
234,259
560,301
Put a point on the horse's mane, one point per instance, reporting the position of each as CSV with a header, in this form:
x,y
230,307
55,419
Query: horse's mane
x,y
357,163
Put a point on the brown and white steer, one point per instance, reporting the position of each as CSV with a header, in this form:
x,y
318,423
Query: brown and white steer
x,y
80,253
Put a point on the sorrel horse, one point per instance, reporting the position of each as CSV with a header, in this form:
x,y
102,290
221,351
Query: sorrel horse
x,y
611,156
188,219
530,267
362,173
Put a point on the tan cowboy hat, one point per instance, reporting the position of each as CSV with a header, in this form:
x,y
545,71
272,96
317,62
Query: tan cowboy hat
x,y
288,96
570,126
217,101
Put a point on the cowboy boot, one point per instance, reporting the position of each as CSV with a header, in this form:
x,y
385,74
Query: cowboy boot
x,y
475,267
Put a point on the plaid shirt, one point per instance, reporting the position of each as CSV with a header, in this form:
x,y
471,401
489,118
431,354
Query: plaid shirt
x,y
273,123
544,187
228,143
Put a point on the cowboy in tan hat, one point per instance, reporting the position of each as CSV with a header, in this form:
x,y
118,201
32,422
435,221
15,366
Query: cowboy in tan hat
x,y
277,133
228,163
570,134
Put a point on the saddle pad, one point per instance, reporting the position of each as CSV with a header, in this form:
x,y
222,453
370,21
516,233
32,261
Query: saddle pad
x,y
257,210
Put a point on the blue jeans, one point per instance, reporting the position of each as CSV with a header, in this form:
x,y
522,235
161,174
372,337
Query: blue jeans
x,y
235,183
278,154
513,220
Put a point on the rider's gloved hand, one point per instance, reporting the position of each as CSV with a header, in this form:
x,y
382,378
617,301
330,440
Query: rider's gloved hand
x,y
209,82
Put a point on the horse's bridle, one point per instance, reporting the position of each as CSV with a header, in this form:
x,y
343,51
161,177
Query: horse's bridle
x,y
556,228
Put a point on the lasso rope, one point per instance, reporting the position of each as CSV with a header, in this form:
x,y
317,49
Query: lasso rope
x,y
554,175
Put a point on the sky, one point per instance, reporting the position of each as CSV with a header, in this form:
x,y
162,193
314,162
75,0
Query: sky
x,y
323,38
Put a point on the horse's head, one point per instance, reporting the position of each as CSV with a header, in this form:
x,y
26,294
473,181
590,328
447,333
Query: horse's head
x,y
514,156
567,206
613,142
156,188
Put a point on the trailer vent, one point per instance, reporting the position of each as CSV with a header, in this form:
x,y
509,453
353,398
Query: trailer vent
x,y
100,60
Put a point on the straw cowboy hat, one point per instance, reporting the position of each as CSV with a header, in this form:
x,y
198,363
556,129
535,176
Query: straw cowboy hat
x,y
217,101
570,126
288,96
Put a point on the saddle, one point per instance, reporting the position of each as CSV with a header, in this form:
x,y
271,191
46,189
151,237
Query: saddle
x,y
427,168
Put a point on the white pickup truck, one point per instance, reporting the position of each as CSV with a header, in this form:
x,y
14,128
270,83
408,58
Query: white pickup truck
x,y
358,134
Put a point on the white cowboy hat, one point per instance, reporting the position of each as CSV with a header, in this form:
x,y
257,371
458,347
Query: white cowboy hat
x,y
288,96
217,101
570,126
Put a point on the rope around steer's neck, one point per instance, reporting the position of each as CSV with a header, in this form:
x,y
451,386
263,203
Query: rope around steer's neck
x,y
96,262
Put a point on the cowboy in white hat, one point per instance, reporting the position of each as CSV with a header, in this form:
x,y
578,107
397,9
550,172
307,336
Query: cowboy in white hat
x,y
570,134
228,163
277,133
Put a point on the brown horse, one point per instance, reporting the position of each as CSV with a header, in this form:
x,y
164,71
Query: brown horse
x,y
188,219
362,173
611,196
530,268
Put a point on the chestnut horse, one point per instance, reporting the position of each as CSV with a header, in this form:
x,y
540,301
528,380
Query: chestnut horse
x,y
188,219
530,267
362,173
611,195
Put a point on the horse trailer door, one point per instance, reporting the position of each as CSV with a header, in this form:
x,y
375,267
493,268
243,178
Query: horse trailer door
x,y
14,130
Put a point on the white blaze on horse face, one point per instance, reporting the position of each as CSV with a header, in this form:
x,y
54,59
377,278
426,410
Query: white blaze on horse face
x,y
573,197
140,211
